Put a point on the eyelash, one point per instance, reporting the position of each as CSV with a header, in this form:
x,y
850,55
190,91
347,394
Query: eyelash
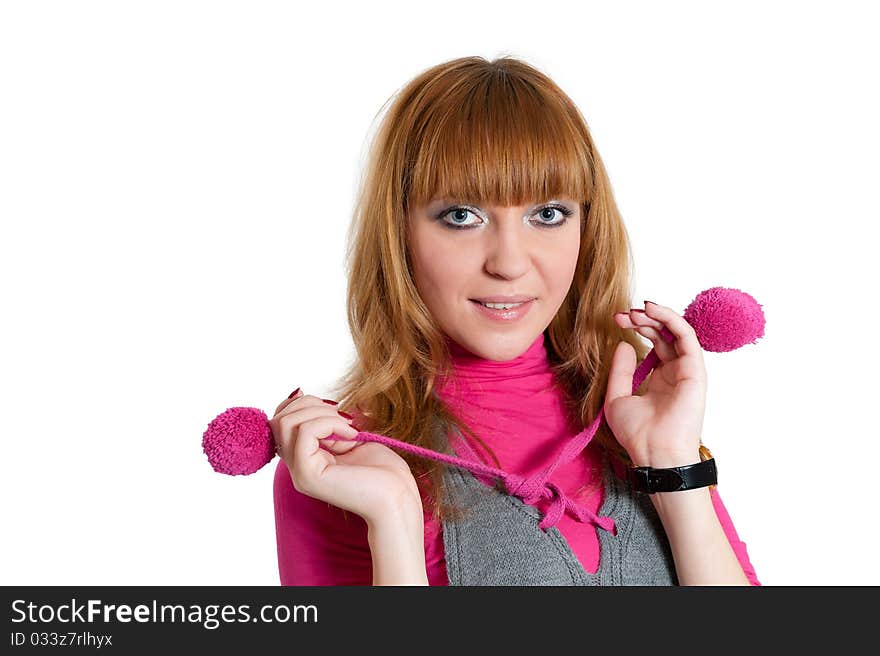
x,y
565,212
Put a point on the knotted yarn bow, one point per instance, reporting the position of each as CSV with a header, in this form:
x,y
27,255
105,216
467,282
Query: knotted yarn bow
x,y
560,503
531,490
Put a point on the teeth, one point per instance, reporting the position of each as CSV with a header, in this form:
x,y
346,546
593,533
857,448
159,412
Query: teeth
x,y
500,306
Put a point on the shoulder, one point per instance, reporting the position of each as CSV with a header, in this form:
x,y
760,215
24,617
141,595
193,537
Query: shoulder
x,y
292,506
318,543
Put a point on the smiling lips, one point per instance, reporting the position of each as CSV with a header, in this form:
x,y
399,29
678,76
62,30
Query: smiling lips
x,y
504,312
504,299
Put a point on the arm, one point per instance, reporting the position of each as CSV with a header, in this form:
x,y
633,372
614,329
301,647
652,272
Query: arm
x,y
397,545
739,547
319,544
702,551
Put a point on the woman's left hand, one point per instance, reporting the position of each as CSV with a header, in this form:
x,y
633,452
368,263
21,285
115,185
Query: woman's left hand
x,y
661,428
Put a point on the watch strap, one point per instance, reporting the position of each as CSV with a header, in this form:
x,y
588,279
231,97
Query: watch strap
x,y
673,479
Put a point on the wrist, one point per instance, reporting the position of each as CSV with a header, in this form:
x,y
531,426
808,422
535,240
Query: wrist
x,y
399,507
397,545
665,476
404,512
666,459
675,508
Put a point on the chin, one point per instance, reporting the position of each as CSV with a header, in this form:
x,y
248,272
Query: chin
x,y
504,349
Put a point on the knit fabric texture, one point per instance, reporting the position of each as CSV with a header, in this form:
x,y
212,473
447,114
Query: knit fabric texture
x,y
500,541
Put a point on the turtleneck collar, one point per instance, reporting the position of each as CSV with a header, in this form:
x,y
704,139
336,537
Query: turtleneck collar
x,y
468,367
519,413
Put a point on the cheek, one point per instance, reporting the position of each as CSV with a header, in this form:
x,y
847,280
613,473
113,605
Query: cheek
x,y
562,267
438,270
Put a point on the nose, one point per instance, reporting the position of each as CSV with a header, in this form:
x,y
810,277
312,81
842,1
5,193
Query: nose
x,y
507,247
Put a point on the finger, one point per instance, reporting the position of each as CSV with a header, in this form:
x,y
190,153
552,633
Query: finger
x,y
290,399
686,342
308,443
665,350
649,328
336,443
299,402
635,317
620,377
640,318
294,415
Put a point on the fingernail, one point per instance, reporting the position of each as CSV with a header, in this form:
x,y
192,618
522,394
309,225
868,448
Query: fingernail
x,y
330,401
636,310
651,302
293,393
346,415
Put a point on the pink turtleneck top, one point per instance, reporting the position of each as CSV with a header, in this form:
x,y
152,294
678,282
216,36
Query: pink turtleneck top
x,y
514,408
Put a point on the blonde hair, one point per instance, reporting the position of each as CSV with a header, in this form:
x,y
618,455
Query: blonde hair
x,y
500,132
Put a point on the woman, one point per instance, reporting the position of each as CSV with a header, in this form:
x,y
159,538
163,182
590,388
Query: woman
x,y
483,185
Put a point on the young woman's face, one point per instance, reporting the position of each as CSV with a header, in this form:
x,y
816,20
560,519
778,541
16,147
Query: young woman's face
x,y
530,251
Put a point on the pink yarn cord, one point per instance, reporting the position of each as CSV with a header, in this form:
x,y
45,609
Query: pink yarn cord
x,y
534,488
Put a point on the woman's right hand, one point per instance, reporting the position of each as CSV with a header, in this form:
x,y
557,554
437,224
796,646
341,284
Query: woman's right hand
x,y
366,478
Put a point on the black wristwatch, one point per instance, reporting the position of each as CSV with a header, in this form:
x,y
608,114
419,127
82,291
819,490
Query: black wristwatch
x,y
649,480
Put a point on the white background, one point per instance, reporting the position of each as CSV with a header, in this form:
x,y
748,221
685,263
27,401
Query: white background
x,y
176,181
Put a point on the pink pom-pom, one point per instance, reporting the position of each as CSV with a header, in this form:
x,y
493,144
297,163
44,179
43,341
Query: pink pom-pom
x,y
239,441
725,319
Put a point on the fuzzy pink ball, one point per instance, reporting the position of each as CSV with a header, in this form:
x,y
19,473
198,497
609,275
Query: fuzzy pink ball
x,y
725,319
239,441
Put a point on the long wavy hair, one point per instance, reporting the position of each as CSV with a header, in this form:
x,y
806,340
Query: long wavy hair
x,y
500,132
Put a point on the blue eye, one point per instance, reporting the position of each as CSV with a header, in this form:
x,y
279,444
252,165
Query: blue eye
x,y
457,212
461,212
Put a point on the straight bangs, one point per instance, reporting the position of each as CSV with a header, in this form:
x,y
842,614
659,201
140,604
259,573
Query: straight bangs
x,y
500,141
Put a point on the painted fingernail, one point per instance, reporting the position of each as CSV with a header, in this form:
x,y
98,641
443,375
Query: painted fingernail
x,y
345,414
635,310
651,302
293,393
330,401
